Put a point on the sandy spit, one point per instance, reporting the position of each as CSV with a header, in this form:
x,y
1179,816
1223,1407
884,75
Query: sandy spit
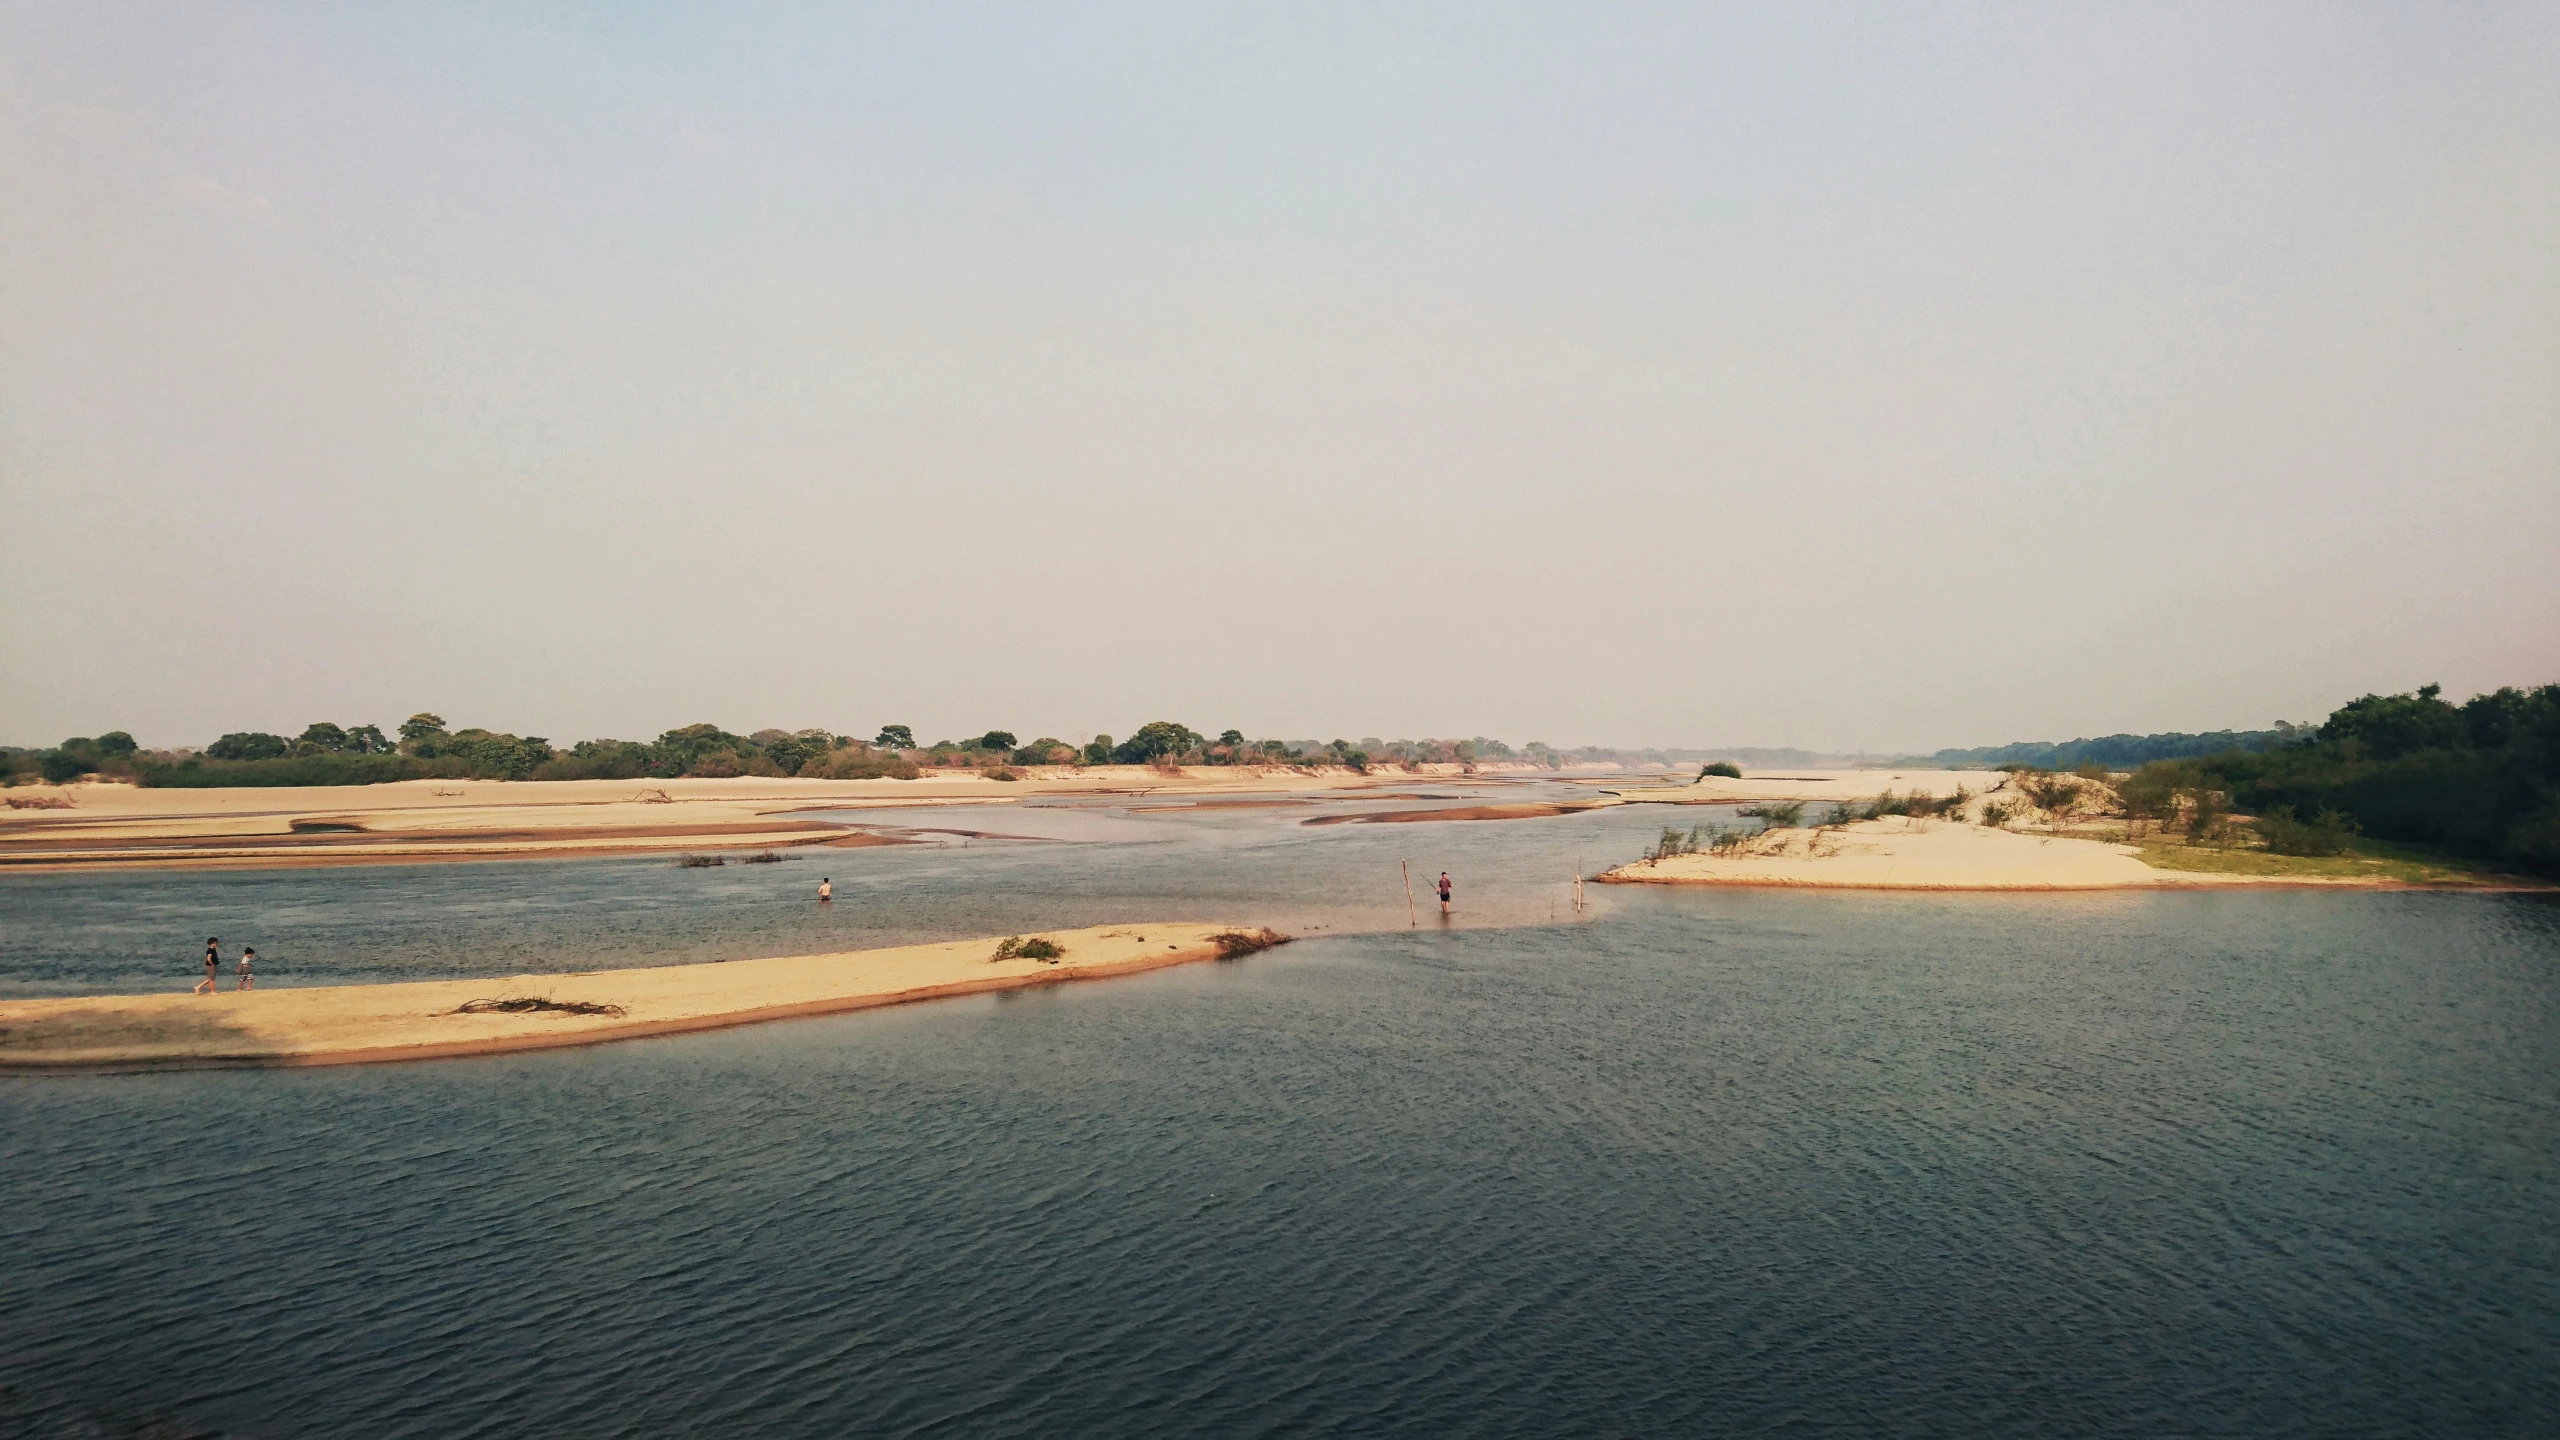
x,y
357,1024
1901,854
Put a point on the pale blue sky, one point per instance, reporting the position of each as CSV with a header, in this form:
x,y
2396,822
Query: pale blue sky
x,y
1882,376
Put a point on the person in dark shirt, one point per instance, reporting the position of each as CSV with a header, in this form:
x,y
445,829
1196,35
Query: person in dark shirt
x,y
212,964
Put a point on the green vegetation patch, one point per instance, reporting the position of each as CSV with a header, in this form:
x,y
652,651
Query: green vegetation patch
x,y
2358,859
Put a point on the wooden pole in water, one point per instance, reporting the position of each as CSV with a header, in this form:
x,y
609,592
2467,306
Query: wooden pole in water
x,y
1410,919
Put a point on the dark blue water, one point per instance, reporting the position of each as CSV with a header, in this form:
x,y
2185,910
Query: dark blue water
x,y
1754,1162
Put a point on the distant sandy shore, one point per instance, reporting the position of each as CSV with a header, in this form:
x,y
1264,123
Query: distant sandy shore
x,y
1903,854
421,820
351,1024
1809,785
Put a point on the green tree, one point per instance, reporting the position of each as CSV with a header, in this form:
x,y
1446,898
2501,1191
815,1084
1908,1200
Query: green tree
x,y
1099,752
1154,741
701,749
62,765
248,745
996,740
367,740
320,738
420,733
791,752
2386,727
895,737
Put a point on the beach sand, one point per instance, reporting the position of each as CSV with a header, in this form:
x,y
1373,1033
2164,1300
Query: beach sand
x,y
1903,854
349,1024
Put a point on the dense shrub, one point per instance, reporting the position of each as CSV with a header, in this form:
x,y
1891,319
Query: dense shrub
x,y
2325,834
304,770
247,745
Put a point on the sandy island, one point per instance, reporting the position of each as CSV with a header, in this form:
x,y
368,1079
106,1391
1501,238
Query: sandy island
x,y
354,1024
1900,853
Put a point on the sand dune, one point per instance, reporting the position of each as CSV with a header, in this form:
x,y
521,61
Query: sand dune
x,y
343,1024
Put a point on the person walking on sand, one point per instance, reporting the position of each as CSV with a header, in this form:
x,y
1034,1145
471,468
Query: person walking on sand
x,y
826,889
1444,892
212,964
248,958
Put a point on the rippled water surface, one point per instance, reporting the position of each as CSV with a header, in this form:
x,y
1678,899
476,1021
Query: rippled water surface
x,y
2249,1164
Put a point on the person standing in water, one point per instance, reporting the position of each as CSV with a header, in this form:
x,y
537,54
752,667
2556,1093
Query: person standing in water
x,y
212,964
248,958
1444,892
826,889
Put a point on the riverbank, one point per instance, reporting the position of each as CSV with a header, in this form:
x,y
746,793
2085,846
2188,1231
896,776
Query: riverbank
x,y
1901,853
356,1024
405,822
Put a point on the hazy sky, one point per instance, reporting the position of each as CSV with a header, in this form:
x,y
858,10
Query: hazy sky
x,y
1881,376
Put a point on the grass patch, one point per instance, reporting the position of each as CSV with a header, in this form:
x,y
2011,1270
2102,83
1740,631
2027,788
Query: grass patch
x,y
2358,859
1014,947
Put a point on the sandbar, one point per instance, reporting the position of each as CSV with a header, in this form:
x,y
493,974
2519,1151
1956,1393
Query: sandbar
x,y
357,1024
1900,853
409,821
1808,785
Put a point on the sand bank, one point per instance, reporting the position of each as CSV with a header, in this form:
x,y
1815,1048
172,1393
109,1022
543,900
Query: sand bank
x,y
1822,786
416,820
1809,785
1903,854
350,1024
1526,810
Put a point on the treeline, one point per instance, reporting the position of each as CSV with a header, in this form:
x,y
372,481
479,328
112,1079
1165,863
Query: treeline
x,y
113,753
2119,752
2480,779
423,747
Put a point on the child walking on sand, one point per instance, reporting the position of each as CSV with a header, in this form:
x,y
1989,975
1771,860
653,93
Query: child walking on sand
x,y
212,964
248,958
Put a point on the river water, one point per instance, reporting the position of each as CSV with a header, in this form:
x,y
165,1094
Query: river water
x,y
1693,1162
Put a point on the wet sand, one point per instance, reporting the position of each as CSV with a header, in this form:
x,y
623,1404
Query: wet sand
x,y
355,1024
